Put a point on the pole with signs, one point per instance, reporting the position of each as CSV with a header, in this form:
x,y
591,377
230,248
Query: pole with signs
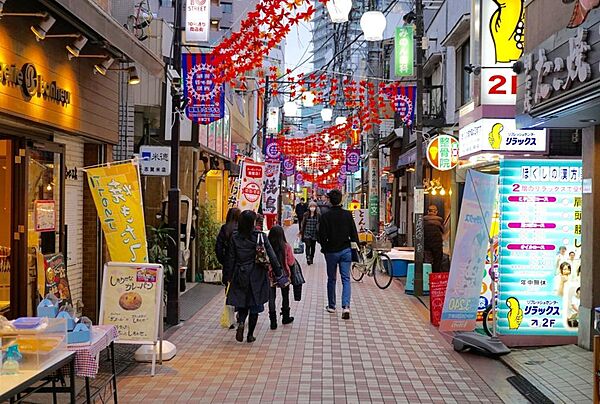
x,y
174,191
419,192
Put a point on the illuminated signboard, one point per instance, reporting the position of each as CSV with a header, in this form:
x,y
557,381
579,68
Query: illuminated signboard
x,y
442,152
404,51
197,20
540,247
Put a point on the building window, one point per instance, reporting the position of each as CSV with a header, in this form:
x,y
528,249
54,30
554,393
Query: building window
x,y
227,8
214,25
464,78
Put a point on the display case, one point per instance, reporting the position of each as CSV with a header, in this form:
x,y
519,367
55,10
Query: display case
x,y
38,340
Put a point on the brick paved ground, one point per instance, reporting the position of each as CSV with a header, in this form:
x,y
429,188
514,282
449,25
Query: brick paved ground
x,y
387,352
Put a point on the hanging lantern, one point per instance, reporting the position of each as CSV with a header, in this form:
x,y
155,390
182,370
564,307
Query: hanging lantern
x,y
339,10
373,24
290,108
326,114
340,120
308,99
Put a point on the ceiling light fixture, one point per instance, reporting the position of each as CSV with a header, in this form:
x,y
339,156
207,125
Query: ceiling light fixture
x,y
43,27
77,46
103,67
134,77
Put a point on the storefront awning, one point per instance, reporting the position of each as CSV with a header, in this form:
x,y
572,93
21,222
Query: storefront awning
x,y
407,158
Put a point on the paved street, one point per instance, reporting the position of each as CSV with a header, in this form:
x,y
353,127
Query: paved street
x,y
387,352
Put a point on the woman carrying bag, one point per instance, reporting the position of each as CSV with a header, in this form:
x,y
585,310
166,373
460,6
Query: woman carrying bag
x,y
250,257
285,254
309,229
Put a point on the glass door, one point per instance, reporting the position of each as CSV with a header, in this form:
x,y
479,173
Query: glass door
x,y
6,212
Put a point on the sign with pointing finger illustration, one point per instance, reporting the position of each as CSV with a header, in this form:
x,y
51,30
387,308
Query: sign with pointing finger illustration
x,y
499,135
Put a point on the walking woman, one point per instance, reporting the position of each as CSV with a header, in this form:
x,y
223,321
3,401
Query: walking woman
x,y
285,255
309,228
250,288
224,237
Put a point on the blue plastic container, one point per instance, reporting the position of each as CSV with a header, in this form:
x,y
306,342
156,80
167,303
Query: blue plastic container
x,y
399,267
410,279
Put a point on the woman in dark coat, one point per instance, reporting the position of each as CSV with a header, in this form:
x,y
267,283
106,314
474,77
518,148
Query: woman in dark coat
x,y
249,289
309,229
224,237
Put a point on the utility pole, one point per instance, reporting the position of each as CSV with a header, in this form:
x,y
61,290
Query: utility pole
x,y
174,191
373,145
419,204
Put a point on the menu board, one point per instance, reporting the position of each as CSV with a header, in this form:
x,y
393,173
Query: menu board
x,y
131,300
540,247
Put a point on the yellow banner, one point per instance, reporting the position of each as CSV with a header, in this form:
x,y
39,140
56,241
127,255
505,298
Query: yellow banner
x,y
118,198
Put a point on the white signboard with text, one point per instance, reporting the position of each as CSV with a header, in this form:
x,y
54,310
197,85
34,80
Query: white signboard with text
x,y
197,20
499,135
155,160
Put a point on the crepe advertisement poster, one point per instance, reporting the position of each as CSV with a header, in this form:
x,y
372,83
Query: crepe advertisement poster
x,y
540,247
118,198
131,299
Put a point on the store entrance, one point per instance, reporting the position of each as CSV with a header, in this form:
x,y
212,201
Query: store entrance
x,y
6,186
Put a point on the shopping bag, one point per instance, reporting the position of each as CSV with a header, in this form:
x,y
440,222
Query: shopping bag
x,y
355,252
228,313
297,276
298,246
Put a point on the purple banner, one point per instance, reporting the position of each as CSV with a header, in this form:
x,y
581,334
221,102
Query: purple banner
x,y
289,166
206,100
352,160
404,103
272,153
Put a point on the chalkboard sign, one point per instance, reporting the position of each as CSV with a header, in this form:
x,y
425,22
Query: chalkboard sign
x,y
131,300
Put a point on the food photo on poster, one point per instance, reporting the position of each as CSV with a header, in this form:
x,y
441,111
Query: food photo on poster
x,y
540,247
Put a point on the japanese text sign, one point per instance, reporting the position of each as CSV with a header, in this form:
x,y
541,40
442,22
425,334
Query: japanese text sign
x,y
468,258
404,51
131,299
45,215
118,198
442,152
540,247
271,188
206,98
251,185
155,160
499,135
197,20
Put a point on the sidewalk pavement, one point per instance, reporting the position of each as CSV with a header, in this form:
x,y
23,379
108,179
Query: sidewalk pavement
x,y
387,352
563,373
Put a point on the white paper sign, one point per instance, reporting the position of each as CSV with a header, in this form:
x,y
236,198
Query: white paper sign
x,y
155,160
499,135
197,20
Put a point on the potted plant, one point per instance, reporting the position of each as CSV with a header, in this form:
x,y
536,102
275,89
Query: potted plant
x,y
159,241
208,229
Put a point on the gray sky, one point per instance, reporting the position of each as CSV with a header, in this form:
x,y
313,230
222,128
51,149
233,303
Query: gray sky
x,y
298,47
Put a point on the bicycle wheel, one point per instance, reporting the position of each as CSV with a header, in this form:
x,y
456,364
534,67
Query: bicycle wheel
x,y
358,269
382,272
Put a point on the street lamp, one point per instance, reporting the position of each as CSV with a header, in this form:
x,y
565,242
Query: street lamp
x,y
339,10
340,120
308,99
326,114
290,108
373,24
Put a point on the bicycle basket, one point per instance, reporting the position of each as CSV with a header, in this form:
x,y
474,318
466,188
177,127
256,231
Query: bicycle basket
x,y
382,245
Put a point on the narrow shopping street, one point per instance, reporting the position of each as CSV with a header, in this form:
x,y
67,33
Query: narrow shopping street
x,y
386,352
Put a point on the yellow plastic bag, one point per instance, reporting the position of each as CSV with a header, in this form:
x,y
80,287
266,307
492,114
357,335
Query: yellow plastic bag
x,y
228,314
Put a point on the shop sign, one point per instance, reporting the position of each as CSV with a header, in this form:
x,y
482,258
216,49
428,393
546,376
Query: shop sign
x,y
353,160
33,84
45,215
289,166
442,152
197,20
273,120
540,247
360,219
548,73
472,239
404,99
354,205
155,160
404,51
373,187
271,187
500,135
251,186
234,190
502,43
117,195
206,98
272,152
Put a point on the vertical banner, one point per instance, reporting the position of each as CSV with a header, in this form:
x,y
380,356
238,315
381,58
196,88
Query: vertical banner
x,y
272,153
251,185
360,219
373,188
118,198
472,238
540,247
404,100
404,51
206,99
271,188
273,120
197,20
289,166
234,190
353,160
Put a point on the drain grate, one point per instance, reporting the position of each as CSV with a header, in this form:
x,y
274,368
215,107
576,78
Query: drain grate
x,y
528,390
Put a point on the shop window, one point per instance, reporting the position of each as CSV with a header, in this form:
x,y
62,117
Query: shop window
x,y
463,81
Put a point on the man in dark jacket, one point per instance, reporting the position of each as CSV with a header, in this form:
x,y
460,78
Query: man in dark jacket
x,y
301,209
336,231
434,237
323,204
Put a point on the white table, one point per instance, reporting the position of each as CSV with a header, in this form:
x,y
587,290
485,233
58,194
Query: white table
x,y
12,386
401,255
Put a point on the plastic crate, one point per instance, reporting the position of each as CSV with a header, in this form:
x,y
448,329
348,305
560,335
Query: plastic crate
x,y
410,279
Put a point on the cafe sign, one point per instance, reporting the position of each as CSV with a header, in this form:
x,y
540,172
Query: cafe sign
x,y
33,84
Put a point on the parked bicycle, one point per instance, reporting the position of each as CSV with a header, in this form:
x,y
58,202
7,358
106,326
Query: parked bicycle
x,y
373,261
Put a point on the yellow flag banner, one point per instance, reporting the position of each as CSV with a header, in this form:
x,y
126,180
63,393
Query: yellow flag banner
x,y
118,198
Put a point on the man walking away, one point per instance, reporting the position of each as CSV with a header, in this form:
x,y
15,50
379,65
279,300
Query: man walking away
x,y
336,231
301,209
434,237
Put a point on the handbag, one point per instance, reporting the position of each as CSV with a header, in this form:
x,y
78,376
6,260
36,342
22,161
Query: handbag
x,y
261,258
354,251
228,313
298,246
297,276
